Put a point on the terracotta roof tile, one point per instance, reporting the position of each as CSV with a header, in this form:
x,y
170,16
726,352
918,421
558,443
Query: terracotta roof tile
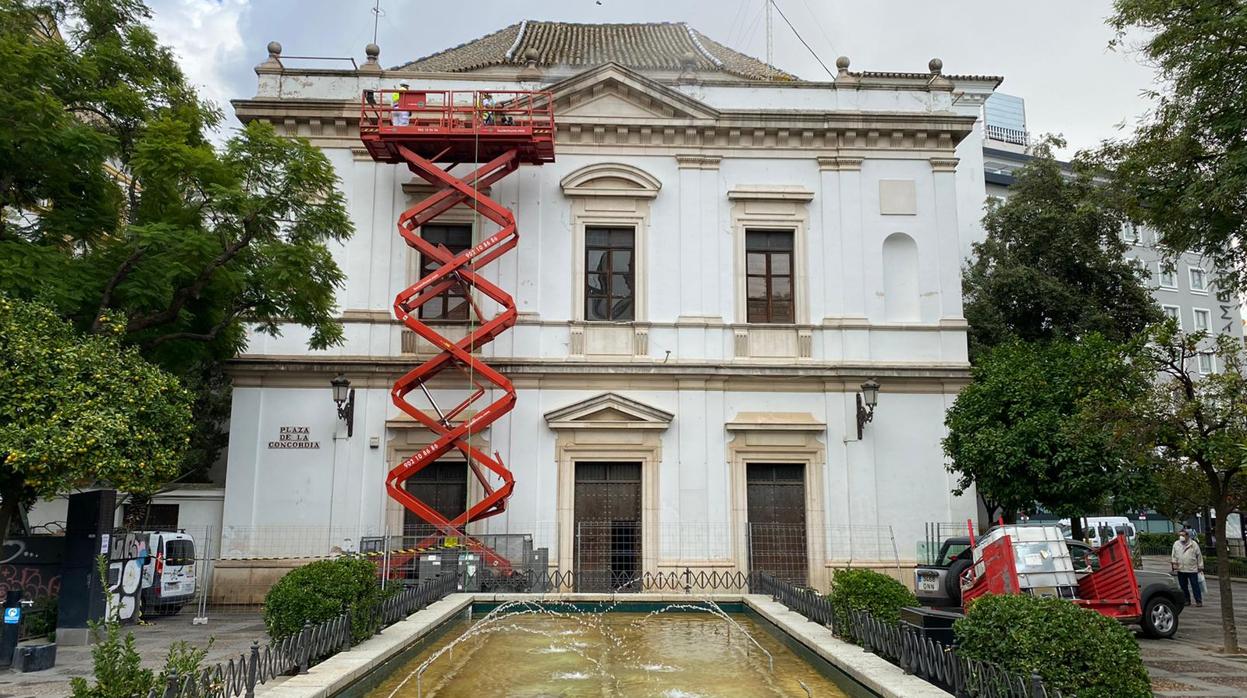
x,y
655,46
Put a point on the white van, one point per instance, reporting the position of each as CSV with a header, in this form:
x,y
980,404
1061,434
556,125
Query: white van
x,y
169,575
1099,530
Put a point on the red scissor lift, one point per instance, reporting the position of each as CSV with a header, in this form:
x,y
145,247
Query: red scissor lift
x,y
431,132
1013,559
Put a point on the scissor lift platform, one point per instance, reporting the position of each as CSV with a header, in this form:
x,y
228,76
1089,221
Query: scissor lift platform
x,y
457,126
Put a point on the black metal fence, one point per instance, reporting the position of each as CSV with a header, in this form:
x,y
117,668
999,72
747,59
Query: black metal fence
x,y
904,646
293,654
900,644
595,581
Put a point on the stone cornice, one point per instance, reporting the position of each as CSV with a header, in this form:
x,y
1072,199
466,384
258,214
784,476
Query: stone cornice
x,y
325,121
313,370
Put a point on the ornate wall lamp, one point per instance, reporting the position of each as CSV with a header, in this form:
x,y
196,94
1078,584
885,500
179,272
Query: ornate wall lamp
x,y
344,398
866,401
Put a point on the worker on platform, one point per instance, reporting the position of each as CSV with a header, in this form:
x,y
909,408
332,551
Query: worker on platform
x,y
1187,560
399,118
487,108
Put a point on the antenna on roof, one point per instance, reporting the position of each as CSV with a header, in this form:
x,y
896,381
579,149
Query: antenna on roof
x,y
770,34
376,18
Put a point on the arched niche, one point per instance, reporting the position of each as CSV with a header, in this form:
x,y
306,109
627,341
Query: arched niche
x,y
900,279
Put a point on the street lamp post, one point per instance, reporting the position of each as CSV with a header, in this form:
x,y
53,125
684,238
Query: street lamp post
x,y
866,401
344,398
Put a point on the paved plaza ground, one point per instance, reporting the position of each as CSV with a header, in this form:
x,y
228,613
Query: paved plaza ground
x,y
231,634
1191,664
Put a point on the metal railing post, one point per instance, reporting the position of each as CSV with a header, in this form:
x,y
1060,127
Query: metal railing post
x,y
1037,686
304,646
253,668
171,686
346,629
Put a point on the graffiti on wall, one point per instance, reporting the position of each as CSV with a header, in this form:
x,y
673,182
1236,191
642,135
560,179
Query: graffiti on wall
x,y
127,555
32,564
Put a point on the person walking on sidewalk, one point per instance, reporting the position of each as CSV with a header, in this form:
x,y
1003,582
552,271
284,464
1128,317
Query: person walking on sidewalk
x,y
1188,562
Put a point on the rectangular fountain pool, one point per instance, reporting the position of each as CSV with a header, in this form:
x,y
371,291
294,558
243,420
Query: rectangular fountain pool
x,y
533,650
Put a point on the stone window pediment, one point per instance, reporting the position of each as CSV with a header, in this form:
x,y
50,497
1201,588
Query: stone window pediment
x,y
776,421
611,179
609,411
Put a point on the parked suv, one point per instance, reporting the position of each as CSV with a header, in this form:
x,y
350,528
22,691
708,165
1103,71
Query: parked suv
x,y
169,575
1160,596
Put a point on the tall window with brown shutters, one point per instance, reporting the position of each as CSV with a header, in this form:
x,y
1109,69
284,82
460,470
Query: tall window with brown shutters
x,y
610,279
768,276
451,304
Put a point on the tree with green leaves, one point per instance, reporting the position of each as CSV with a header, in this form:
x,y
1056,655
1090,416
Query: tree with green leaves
x,y
1052,264
1196,425
1184,169
1036,427
81,409
114,203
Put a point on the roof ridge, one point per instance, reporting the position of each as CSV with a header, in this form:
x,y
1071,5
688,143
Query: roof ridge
x,y
704,52
772,72
519,36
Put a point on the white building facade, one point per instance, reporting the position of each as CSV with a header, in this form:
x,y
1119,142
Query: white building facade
x,y
772,244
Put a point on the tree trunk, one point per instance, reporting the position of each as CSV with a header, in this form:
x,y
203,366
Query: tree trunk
x,y
8,511
1228,629
136,512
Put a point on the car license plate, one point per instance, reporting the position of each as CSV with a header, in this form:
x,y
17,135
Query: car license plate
x,y
927,585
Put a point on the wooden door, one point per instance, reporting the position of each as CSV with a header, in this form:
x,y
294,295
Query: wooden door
x,y
444,487
776,511
608,526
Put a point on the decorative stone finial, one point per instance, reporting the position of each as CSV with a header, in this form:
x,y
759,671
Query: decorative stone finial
x,y
688,69
530,73
842,62
370,65
273,63
936,65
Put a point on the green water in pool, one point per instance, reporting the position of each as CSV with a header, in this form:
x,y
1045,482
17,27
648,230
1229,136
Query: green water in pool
x,y
626,655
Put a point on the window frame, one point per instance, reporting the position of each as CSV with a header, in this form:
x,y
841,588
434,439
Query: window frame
x,y
585,247
1195,320
1160,277
1177,316
769,276
773,208
1212,363
1190,278
449,293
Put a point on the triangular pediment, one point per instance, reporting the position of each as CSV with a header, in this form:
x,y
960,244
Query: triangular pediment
x,y
609,411
613,92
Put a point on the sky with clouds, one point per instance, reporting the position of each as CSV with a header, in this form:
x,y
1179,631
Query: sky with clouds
x,y
1054,54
